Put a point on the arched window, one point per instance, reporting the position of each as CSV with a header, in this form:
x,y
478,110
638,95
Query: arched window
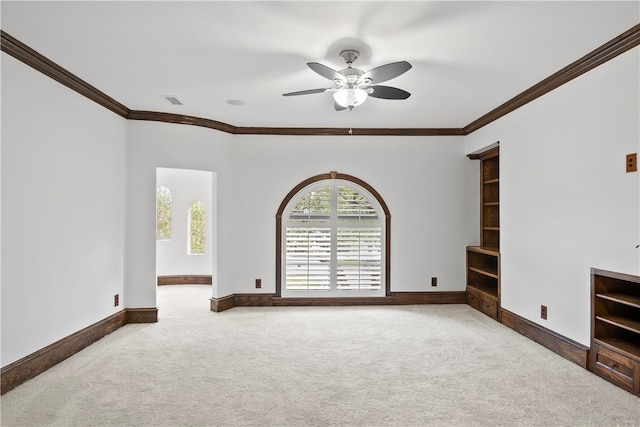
x,y
333,240
163,213
196,228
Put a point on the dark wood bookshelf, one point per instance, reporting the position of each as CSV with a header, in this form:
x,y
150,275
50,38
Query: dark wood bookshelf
x,y
615,328
483,262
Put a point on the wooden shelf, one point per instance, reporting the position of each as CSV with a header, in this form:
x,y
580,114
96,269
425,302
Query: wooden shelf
x,y
630,300
483,261
484,272
633,348
491,181
621,322
491,204
484,250
491,290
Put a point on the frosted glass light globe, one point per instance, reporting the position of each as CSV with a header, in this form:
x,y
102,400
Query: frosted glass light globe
x,y
349,98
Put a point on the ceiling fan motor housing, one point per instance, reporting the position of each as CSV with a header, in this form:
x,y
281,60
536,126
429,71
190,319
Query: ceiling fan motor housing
x,y
351,75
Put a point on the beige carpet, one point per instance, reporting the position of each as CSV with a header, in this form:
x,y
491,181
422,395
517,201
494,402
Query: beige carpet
x,y
434,365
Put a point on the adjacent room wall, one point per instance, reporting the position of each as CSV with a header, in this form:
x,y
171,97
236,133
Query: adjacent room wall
x,y
427,183
187,186
63,212
567,203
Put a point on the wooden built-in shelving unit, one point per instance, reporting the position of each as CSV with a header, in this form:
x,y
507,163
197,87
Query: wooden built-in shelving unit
x,y
615,328
483,262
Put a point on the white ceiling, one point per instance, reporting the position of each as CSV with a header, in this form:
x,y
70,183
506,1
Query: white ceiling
x,y
467,57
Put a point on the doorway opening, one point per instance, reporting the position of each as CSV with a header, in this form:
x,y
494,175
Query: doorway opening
x,y
185,236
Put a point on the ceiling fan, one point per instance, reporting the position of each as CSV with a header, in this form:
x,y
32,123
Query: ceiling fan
x,y
353,86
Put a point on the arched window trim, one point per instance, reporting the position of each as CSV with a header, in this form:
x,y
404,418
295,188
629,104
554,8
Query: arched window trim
x,y
323,177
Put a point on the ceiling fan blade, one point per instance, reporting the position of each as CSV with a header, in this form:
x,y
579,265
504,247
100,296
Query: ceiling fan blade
x,y
325,71
305,92
388,92
387,72
338,107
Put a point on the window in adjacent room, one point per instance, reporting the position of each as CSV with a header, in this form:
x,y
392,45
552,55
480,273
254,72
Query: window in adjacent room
x,y
196,228
163,213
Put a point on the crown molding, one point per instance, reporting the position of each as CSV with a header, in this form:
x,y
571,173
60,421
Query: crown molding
x,y
624,42
235,130
181,119
350,131
24,53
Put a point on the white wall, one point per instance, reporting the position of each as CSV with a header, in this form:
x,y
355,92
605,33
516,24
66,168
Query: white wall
x,y
566,202
63,194
186,186
427,183
152,145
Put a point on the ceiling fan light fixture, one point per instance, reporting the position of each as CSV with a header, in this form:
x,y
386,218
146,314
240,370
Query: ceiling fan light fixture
x,y
353,86
350,97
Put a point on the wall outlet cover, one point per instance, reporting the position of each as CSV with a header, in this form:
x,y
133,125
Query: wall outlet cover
x,y
632,162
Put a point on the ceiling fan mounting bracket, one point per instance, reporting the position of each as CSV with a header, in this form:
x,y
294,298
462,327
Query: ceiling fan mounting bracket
x,y
349,55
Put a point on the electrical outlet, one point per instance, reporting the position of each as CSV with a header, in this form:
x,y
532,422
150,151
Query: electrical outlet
x,y
632,162
258,283
434,281
116,300
543,312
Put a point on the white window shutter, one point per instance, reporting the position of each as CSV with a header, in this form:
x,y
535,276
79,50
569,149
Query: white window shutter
x,y
333,242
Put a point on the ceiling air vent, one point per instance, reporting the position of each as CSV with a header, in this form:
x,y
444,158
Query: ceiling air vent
x,y
172,100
